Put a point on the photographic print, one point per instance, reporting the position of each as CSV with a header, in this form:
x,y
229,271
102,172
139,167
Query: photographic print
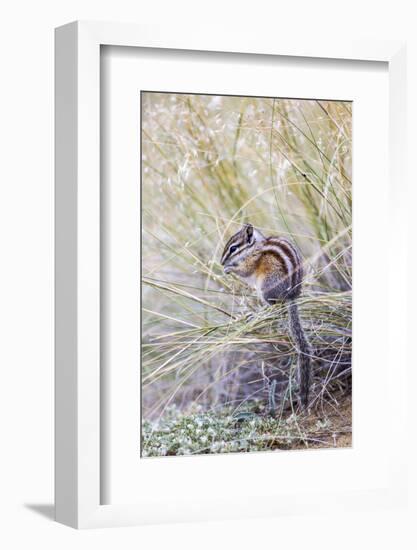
x,y
246,274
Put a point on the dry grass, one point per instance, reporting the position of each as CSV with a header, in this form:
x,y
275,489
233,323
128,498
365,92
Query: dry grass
x,y
209,164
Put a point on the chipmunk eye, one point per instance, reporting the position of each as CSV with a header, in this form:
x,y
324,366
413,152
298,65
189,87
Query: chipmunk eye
x,y
233,249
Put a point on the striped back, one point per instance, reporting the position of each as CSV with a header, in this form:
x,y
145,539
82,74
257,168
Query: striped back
x,y
291,262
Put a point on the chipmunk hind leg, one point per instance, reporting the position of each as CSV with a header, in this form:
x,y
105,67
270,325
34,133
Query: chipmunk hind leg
x,y
273,290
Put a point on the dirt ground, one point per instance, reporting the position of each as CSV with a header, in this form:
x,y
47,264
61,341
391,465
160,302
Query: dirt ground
x,y
329,425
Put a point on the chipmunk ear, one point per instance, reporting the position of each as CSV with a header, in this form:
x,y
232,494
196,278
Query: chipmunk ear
x,y
249,232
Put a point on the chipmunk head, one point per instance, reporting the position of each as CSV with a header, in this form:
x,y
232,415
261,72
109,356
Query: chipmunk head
x,y
240,246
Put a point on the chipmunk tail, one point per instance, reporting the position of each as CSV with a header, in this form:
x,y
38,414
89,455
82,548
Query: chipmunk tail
x,y
304,352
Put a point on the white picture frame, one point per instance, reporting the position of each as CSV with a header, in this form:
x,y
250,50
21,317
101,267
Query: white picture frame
x,y
78,426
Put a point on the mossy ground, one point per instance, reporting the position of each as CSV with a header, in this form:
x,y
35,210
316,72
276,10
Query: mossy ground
x,y
252,429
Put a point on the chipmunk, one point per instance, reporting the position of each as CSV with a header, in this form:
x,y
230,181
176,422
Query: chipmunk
x,y
273,265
